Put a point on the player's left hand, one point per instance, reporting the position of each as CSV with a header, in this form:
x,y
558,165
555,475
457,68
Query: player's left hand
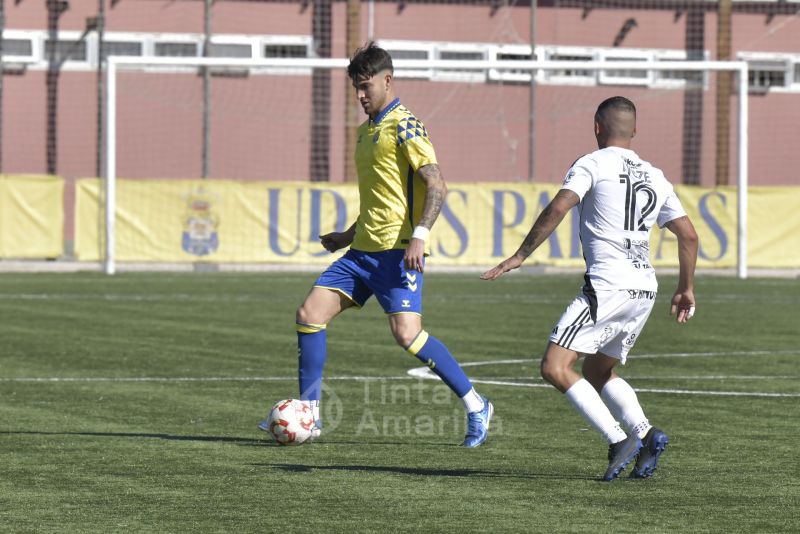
x,y
414,258
507,265
683,304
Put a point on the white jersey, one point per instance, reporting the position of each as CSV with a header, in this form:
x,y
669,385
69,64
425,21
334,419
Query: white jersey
x,y
622,196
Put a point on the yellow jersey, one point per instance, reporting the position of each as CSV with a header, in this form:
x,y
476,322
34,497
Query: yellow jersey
x,y
389,152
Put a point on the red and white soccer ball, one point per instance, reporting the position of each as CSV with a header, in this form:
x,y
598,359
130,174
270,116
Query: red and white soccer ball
x,y
290,422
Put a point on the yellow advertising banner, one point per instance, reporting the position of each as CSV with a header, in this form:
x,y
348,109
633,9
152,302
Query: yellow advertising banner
x,y
31,216
213,220
480,224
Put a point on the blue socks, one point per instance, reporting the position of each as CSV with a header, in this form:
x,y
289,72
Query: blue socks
x,y
311,348
435,355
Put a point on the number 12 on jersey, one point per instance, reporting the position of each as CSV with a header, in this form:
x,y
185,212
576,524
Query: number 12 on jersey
x,y
633,223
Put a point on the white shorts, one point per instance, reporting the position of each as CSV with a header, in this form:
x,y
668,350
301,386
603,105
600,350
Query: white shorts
x,y
604,321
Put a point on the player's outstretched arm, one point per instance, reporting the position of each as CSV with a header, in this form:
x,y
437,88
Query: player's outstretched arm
x,y
683,302
336,240
435,193
545,224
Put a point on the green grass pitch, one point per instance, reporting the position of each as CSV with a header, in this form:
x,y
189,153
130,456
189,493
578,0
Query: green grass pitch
x,y
130,404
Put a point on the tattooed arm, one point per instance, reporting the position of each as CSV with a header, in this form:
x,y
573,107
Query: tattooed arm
x,y
545,224
435,193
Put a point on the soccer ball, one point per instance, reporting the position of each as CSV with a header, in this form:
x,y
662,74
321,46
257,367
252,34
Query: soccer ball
x,y
290,422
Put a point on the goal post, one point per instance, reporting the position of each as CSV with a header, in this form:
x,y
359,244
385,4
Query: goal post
x,y
421,75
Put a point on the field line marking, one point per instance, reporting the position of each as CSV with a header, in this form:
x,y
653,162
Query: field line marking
x,y
633,357
56,379
719,353
652,390
418,373
426,373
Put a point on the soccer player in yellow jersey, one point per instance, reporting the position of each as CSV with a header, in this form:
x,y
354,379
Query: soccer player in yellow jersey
x,y
401,191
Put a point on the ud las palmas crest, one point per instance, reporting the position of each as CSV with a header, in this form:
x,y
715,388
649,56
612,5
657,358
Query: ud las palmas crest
x,y
200,224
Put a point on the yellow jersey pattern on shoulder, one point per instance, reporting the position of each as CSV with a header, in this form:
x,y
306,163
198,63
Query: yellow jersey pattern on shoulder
x,y
389,152
409,128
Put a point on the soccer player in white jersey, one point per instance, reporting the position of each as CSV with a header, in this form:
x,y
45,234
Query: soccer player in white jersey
x,y
619,197
401,192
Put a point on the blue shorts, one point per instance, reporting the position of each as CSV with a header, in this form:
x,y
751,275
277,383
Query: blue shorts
x,y
358,275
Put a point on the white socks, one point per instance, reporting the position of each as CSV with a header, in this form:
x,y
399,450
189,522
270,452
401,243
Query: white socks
x,y
588,402
472,401
623,403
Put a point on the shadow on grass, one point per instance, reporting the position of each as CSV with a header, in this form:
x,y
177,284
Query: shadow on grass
x,y
261,442
146,435
253,442
302,468
420,471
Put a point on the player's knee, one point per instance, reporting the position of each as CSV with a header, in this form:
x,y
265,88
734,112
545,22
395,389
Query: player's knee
x,y
306,315
551,372
405,338
405,335
545,370
301,315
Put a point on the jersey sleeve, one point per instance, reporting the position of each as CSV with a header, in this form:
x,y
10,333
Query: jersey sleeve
x,y
414,143
671,209
580,177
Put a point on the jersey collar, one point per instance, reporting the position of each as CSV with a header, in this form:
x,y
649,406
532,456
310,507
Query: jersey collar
x,y
392,105
620,149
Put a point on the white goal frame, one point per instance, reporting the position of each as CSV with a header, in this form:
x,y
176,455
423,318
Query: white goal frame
x,y
116,63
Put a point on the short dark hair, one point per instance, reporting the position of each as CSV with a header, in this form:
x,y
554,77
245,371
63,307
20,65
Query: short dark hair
x,y
610,115
368,61
615,103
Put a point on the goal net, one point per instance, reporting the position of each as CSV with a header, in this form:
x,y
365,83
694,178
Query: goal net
x,y
239,163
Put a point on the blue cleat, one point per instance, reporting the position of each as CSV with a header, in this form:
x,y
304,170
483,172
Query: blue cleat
x,y
654,444
264,425
478,425
620,454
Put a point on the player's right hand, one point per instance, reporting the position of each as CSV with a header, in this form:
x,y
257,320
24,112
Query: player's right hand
x,y
506,265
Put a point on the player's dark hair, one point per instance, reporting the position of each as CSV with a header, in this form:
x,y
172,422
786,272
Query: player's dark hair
x,y
617,103
607,115
369,61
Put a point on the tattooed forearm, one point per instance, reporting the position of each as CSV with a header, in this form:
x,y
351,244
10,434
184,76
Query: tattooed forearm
x,y
542,228
434,195
546,223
